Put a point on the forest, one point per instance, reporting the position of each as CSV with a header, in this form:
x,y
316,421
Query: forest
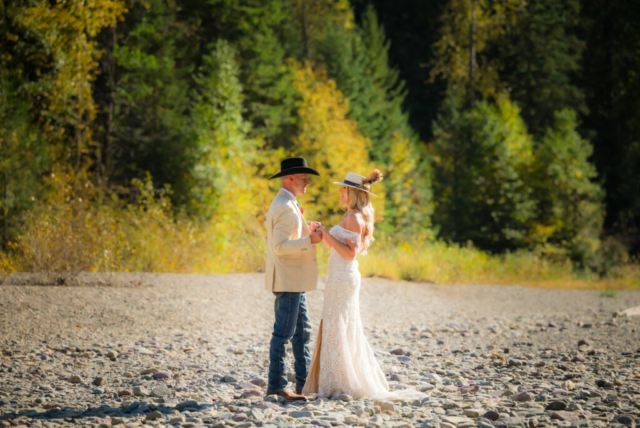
x,y
139,135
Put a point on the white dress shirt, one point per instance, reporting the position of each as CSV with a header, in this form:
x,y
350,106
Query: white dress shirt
x,y
290,195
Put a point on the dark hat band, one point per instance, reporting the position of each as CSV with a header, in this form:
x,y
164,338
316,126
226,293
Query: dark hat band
x,y
356,185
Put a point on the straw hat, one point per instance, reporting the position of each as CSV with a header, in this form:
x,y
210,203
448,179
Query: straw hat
x,y
360,182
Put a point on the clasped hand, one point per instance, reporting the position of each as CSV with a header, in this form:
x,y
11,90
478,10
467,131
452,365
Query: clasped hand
x,y
317,232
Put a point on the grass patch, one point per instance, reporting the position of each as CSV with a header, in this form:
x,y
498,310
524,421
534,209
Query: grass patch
x,y
609,293
68,234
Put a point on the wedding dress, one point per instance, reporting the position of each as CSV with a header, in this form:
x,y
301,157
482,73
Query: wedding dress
x,y
343,361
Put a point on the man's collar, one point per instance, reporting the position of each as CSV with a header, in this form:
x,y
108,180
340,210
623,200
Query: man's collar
x,y
288,193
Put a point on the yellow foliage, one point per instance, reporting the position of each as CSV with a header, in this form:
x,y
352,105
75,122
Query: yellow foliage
x,y
80,228
424,260
492,20
331,143
68,28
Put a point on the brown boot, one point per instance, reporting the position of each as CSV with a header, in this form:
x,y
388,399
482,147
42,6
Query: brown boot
x,y
289,396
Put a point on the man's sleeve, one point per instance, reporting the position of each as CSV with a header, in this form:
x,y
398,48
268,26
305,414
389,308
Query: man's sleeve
x,y
283,224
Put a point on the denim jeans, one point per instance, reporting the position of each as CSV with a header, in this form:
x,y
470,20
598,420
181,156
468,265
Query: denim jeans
x,y
292,323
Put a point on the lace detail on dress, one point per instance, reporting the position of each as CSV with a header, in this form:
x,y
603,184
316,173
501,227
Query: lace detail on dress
x,y
347,362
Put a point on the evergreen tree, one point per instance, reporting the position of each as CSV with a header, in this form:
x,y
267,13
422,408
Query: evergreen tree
x,y
541,57
357,58
265,34
142,91
570,211
226,185
67,33
482,158
468,28
330,141
609,77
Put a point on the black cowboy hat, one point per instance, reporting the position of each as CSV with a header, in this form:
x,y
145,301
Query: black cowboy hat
x,y
294,166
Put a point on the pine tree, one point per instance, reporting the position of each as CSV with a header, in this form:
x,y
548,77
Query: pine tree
x,y
541,56
570,211
609,77
265,34
482,158
143,126
462,57
226,185
357,58
331,143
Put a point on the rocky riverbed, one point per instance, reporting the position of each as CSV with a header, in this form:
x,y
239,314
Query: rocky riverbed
x,y
192,351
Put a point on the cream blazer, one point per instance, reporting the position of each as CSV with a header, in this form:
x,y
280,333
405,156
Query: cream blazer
x,y
292,263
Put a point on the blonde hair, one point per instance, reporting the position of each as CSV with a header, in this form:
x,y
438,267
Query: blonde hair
x,y
357,200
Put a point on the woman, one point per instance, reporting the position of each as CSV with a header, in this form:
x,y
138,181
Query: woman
x,y
343,362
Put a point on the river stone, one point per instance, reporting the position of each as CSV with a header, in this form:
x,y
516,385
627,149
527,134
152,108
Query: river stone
x,y
75,379
556,405
160,391
301,414
154,416
491,415
140,391
565,416
385,405
522,397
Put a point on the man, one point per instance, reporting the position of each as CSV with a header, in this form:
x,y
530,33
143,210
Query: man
x,y
292,270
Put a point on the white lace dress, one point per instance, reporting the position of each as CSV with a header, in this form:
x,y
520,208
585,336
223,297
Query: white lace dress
x,y
343,362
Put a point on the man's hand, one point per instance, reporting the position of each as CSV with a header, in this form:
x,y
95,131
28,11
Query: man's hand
x,y
316,236
314,226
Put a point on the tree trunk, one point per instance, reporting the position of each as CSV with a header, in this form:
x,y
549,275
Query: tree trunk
x,y
305,31
472,55
112,97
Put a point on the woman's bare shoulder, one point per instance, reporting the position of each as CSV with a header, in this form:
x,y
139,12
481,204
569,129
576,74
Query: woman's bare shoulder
x,y
354,221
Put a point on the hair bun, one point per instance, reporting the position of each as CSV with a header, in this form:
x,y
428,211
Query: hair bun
x,y
375,176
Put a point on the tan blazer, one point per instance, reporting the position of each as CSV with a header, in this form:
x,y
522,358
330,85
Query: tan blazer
x,y
292,263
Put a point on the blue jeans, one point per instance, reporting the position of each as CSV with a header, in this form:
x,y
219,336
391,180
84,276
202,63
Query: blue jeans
x,y
292,323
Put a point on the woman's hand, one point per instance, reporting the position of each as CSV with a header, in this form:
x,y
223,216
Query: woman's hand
x,y
314,225
326,237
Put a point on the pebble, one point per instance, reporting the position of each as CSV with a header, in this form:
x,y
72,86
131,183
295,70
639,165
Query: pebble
x,y
198,357
162,375
384,405
75,379
565,416
154,416
160,391
140,391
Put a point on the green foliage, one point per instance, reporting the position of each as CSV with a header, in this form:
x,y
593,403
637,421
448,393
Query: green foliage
x,y
490,19
264,33
67,31
482,158
224,152
23,157
143,97
330,141
609,293
541,57
357,58
205,98
611,83
570,211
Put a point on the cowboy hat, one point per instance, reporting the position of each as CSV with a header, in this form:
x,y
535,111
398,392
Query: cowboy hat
x,y
292,166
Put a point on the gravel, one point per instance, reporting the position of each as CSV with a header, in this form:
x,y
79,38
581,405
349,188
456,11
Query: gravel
x,y
185,351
